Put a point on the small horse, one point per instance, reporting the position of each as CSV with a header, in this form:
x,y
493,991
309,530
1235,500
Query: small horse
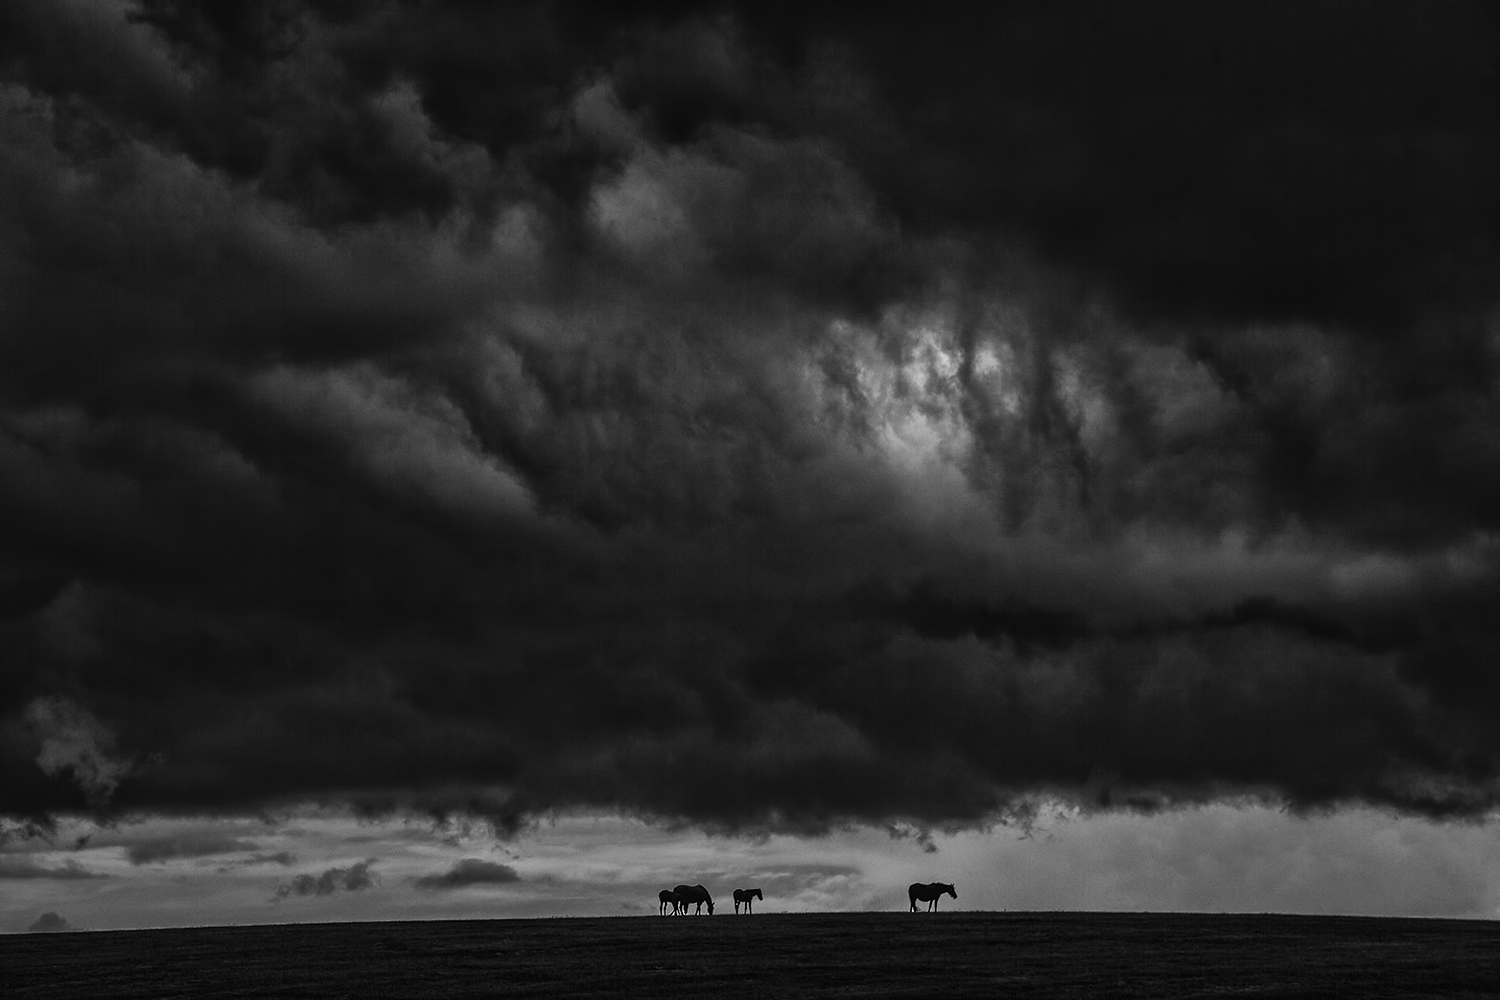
x,y
694,894
929,893
745,896
668,896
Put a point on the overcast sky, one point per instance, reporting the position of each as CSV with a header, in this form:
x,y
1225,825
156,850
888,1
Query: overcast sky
x,y
505,459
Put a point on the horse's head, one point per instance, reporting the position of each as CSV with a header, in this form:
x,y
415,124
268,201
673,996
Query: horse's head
x,y
710,907
949,890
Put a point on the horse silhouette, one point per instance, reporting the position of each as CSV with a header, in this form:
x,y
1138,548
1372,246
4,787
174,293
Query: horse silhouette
x,y
929,893
668,896
694,894
745,896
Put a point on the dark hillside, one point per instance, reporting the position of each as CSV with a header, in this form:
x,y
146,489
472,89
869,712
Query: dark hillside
x,y
847,954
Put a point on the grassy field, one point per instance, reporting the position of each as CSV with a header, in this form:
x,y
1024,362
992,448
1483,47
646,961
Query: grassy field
x,y
946,955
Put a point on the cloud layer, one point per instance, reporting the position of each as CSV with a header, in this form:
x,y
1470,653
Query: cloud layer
x,y
758,422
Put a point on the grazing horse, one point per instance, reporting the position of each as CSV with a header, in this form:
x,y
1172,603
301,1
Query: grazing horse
x,y
929,893
668,896
694,894
744,896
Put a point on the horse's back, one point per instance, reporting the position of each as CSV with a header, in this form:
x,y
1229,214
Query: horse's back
x,y
930,890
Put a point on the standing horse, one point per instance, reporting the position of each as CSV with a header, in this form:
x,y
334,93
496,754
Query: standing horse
x,y
744,896
668,896
929,893
694,894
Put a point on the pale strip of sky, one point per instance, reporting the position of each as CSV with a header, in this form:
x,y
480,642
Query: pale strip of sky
x,y
1221,857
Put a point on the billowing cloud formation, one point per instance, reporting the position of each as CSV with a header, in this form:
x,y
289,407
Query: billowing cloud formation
x,y
50,922
355,878
72,741
466,872
758,422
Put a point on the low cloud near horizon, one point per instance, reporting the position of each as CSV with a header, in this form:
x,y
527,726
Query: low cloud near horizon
x,y
143,852
354,878
50,923
749,423
469,871
22,868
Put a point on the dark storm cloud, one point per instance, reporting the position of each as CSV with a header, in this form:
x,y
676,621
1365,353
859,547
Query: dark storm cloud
x,y
761,421
355,878
469,871
1255,161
